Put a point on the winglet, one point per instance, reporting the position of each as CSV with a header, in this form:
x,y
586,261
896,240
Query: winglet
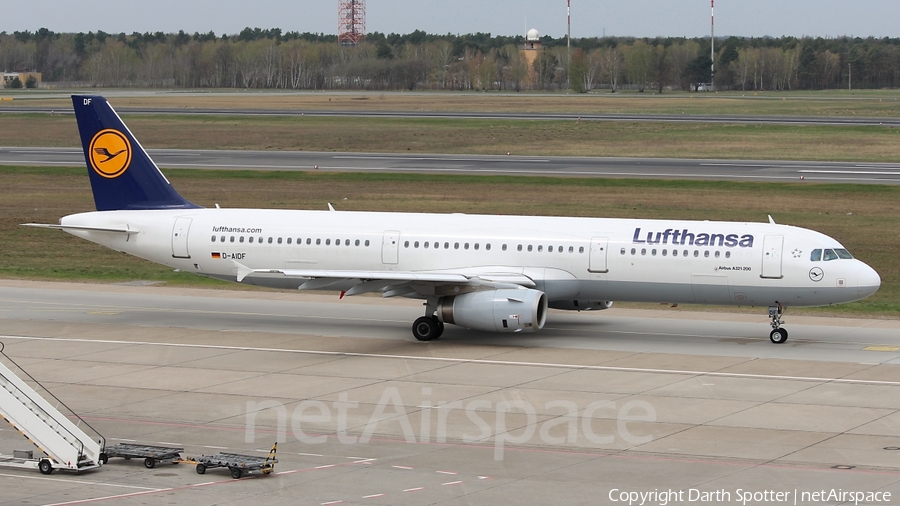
x,y
242,270
771,221
330,207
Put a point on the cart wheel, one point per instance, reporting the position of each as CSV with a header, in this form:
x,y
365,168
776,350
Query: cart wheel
x,y
126,457
201,469
149,463
45,467
104,458
235,473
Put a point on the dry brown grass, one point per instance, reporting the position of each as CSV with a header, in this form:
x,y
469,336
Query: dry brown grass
x,y
875,103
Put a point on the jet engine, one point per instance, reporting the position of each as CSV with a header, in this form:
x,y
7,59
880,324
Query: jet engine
x,y
504,310
581,305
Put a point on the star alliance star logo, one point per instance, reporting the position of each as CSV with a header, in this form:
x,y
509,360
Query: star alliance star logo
x,y
797,252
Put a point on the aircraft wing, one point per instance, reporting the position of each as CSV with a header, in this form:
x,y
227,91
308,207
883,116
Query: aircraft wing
x,y
393,283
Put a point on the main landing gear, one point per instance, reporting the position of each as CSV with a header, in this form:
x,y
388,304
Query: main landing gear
x,y
778,334
428,327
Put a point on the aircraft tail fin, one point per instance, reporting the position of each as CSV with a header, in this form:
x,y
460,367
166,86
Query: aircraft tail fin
x,y
122,174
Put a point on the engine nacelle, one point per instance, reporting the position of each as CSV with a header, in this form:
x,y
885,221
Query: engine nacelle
x,y
506,310
581,305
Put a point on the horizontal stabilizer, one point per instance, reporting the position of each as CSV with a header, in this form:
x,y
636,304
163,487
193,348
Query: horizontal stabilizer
x,y
116,230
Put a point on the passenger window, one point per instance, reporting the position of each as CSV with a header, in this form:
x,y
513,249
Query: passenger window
x,y
416,244
633,251
685,253
222,238
425,245
844,254
466,246
232,239
487,246
260,240
309,241
727,254
367,242
270,240
643,251
318,242
476,246
241,239
279,240
540,248
250,240
356,243
664,252
717,254
653,252
446,245
288,240
706,254
581,249
456,245
829,255
530,247
503,248
406,244
213,238
696,253
571,249
622,251
519,248
559,249
299,241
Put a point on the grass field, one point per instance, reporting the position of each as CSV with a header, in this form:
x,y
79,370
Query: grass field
x,y
866,219
540,138
859,103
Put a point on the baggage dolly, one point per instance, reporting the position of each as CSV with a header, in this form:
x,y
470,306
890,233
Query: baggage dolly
x,y
150,454
238,464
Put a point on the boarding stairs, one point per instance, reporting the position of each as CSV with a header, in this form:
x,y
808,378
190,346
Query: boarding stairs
x,y
62,438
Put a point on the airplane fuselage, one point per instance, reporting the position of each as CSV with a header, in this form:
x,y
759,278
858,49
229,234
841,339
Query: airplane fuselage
x,y
569,259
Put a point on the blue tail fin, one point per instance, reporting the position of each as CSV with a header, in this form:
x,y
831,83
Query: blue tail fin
x,y
122,174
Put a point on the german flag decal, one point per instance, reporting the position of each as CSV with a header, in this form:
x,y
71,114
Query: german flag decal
x,y
217,255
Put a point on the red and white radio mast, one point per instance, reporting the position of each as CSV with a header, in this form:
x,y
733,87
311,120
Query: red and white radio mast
x,y
351,21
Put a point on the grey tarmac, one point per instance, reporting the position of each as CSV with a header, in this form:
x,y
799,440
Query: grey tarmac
x,y
663,401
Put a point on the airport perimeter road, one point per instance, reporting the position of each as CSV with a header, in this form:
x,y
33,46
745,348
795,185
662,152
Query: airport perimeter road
x,y
664,118
661,168
593,407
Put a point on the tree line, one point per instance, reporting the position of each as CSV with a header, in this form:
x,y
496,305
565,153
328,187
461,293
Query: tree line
x,y
270,58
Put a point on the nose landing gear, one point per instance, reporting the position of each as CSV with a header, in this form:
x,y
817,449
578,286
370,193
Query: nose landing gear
x,y
778,334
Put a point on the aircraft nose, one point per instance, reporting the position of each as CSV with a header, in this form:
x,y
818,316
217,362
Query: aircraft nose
x,y
868,281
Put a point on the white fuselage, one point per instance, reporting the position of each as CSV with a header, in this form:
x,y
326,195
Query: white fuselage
x,y
703,262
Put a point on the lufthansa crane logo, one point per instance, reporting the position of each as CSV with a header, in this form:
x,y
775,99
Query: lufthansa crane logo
x,y
110,153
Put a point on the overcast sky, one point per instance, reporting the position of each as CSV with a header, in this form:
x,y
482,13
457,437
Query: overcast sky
x,y
590,18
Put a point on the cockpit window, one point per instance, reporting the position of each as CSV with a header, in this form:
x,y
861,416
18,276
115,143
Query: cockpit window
x,y
844,254
816,255
830,255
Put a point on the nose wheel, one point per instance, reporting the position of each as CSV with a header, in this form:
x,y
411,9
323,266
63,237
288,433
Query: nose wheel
x,y
778,334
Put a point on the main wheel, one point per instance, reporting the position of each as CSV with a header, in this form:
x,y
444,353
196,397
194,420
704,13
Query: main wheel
x,y
425,328
149,463
440,327
235,473
778,336
201,469
45,467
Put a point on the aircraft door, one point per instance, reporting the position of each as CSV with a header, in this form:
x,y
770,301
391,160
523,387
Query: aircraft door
x,y
180,238
771,261
390,247
599,248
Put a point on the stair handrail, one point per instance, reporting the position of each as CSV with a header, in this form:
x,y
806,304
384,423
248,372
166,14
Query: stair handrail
x,y
102,441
